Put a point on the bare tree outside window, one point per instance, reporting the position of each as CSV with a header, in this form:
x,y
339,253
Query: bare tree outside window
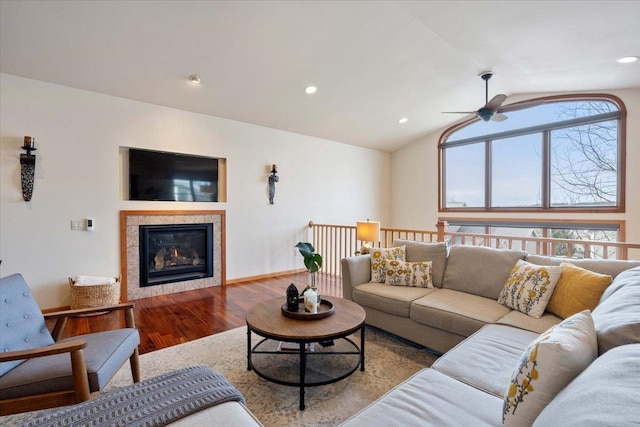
x,y
584,158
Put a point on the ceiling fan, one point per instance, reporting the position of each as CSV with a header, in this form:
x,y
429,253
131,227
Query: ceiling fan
x,y
493,110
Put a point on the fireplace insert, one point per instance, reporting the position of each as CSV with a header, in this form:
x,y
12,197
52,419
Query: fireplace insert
x,y
175,253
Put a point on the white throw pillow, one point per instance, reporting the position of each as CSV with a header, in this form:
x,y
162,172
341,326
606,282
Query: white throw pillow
x,y
529,287
416,274
379,259
550,362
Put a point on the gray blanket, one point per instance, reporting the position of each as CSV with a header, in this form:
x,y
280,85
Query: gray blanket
x,y
154,402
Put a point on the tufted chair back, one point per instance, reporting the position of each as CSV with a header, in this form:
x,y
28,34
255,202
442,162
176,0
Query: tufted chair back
x,y
22,325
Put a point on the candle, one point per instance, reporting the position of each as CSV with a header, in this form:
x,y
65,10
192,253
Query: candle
x,y
311,301
29,142
273,168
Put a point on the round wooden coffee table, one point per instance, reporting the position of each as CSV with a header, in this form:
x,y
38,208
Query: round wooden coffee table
x,y
321,354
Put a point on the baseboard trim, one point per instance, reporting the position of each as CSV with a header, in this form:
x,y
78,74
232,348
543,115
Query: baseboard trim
x,y
264,276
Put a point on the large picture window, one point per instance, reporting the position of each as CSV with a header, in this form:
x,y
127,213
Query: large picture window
x,y
564,153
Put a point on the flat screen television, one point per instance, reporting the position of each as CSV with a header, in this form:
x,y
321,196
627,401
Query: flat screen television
x,y
157,175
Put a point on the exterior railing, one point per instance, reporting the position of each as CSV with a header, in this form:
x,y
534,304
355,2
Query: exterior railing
x,y
335,242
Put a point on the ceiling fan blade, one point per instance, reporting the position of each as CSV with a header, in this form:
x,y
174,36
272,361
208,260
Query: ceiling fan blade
x,y
496,102
521,105
499,117
458,112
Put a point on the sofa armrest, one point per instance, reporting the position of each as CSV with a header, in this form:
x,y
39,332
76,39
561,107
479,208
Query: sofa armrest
x,y
356,270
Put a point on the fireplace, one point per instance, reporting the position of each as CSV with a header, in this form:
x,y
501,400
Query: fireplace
x,y
175,253
131,274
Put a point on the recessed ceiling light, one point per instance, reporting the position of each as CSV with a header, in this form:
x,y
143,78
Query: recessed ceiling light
x,y
195,79
403,120
627,59
310,89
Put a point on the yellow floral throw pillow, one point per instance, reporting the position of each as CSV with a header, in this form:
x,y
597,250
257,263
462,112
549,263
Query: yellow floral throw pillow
x,y
550,362
379,259
416,274
529,287
578,289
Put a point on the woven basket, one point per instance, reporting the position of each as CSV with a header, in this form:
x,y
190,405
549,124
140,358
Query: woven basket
x,y
89,296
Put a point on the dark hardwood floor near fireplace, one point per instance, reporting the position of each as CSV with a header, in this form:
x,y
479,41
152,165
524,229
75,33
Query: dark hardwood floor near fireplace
x,y
167,320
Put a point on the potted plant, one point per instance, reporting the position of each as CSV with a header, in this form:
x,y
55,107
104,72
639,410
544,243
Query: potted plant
x,y
312,261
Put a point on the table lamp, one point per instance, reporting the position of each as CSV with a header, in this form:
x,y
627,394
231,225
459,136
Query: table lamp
x,y
367,231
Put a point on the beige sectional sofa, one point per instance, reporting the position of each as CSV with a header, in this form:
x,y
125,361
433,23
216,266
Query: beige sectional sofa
x,y
483,342
467,281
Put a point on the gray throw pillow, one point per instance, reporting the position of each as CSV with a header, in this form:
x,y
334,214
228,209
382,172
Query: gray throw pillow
x,y
425,251
617,316
479,270
605,394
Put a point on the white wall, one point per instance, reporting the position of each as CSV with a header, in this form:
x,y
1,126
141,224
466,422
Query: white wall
x,y
414,179
78,139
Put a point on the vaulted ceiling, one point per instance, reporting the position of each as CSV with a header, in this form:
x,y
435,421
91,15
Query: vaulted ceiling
x,y
373,62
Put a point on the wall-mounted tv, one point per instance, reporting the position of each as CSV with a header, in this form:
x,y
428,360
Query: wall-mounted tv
x,y
157,175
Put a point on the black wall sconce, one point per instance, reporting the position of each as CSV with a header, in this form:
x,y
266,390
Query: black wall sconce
x,y
273,178
28,167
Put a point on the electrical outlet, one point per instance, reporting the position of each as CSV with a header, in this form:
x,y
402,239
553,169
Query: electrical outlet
x,y
77,224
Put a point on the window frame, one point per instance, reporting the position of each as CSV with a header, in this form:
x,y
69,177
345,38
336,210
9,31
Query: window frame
x,y
546,169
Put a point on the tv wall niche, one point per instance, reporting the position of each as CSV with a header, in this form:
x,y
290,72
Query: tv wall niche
x,y
167,176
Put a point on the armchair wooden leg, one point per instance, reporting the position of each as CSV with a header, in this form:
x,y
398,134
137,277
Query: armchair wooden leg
x,y
80,379
134,360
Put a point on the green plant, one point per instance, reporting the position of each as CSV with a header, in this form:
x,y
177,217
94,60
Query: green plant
x,y
312,260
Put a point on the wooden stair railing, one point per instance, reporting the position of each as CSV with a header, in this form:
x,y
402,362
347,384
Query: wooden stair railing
x,y
335,242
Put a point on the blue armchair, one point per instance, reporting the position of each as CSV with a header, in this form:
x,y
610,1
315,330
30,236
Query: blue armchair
x,y
38,370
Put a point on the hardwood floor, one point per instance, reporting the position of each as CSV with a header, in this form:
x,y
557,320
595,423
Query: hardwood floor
x,y
173,319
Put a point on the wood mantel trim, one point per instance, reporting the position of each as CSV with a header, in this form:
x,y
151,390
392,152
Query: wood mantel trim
x,y
124,294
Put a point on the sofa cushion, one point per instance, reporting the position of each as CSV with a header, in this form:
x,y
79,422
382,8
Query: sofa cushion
x,y
430,399
457,312
551,362
605,394
389,299
424,251
103,356
602,266
402,273
577,290
617,316
486,359
522,321
379,259
479,270
529,287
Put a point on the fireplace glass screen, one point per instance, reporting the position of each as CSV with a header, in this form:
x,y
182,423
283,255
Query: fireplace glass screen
x,y
175,253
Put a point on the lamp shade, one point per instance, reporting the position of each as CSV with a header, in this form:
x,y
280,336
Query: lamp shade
x,y
368,231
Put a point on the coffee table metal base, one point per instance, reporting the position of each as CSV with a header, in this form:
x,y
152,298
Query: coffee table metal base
x,y
329,365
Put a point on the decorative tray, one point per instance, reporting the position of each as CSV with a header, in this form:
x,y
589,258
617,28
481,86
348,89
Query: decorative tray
x,y
325,309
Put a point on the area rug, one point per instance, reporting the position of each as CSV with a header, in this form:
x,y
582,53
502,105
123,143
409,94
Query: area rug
x,y
388,361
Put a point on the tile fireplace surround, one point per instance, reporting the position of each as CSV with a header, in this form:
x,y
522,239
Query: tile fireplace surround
x,y
129,250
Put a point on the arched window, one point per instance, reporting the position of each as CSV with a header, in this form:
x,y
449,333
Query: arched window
x,y
564,153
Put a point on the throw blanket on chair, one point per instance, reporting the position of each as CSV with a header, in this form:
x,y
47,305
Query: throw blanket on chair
x,y
154,402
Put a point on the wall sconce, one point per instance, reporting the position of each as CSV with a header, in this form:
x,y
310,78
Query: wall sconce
x,y
28,167
273,178
367,232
